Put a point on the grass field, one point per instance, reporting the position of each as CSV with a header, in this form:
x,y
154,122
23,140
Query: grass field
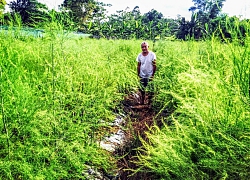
x,y
56,91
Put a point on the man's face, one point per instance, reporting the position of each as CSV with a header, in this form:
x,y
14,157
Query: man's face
x,y
144,47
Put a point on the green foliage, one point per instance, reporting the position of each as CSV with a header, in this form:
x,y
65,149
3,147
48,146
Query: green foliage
x,y
29,10
89,16
82,10
207,134
2,6
203,20
127,24
55,92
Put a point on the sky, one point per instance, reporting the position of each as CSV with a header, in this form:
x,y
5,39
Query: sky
x,y
169,8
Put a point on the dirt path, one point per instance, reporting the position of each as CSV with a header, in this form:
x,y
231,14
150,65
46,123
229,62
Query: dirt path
x,y
140,117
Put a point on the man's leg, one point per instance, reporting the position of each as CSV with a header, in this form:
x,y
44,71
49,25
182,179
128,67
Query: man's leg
x,y
142,96
143,84
151,91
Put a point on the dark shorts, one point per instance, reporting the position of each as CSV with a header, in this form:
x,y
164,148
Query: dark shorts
x,y
146,83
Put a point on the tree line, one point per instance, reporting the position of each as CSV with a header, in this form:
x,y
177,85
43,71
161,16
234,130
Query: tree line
x,y
90,16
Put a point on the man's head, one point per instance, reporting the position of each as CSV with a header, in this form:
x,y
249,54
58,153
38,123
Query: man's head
x,y
144,46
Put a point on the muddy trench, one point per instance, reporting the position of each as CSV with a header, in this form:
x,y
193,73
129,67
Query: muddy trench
x,y
139,118
122,141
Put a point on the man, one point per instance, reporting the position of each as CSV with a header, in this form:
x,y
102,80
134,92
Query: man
x,y
146,68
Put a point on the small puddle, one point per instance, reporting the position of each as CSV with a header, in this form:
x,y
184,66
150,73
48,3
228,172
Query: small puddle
x,y
117,139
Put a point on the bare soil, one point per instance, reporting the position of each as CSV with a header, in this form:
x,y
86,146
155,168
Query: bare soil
x,y
139,119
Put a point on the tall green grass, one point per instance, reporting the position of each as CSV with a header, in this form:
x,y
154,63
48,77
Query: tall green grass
x,y
55,92
206,85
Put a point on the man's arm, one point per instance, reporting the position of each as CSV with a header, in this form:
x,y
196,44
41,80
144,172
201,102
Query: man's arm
x,y
138,68
154,66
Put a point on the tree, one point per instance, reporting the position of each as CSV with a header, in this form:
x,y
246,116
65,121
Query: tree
x,y
126,24
203,14
153,21
98,16
208,7
82,10
28,9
